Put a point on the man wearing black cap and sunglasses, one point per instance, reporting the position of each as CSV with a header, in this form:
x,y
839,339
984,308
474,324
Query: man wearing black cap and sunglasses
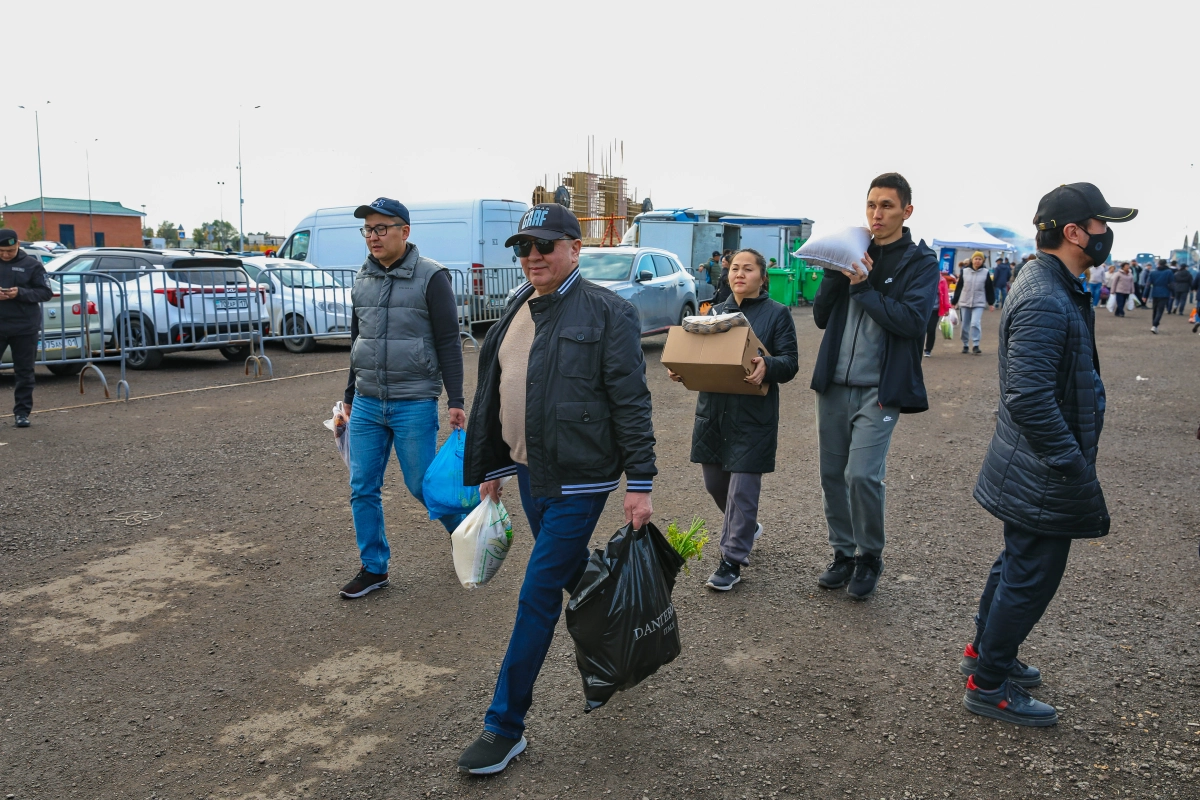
x,y
562,403
404,345
23,288
1039,475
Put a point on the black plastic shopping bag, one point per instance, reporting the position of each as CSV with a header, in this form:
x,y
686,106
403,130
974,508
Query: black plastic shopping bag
x,y
620,614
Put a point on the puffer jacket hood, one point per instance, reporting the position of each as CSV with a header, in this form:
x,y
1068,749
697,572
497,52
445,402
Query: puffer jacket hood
x,y
1040,470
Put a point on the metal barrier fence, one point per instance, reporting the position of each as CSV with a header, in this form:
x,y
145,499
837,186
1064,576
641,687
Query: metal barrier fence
x,y
72,338
482,295
195,307
303,305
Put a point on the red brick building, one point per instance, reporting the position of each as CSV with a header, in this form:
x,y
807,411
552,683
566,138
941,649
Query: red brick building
x,y
72,222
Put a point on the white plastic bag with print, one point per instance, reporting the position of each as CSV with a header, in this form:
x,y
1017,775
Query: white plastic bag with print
x,y
480,543
340,426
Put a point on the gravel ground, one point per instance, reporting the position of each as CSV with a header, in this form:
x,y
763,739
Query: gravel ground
x,y
171,626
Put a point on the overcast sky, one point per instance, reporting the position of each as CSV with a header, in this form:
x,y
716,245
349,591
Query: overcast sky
x,y
777,108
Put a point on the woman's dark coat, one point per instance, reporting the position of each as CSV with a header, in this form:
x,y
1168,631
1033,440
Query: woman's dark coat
x,y
740,432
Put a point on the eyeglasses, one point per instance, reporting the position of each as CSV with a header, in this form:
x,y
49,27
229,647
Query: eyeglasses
x,y
378,230
525,247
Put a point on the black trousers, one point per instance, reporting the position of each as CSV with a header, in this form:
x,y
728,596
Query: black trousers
x,y
1021,585
24,351
1161,304
1121,299
1181,301
931,329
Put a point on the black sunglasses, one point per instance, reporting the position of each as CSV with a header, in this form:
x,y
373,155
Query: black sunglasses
x,y
544,246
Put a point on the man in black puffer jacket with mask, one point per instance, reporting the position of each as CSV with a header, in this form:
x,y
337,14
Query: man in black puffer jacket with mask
x,y
1039,476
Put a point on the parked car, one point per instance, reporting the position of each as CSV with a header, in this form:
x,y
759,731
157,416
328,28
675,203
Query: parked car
x,y
302,299
62,331
40,253
466,236
58,248
171,300
653,280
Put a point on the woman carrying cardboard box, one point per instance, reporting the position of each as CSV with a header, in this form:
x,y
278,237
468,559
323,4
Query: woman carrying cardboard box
x,y
735,435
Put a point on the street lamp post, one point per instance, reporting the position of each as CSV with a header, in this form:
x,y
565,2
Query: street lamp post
x,y
241,199
41,192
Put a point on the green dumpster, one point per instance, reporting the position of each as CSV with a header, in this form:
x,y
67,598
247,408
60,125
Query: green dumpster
x,y
783,286
810,282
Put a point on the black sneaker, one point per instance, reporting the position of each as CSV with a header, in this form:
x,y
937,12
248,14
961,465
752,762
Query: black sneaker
x,y
867,570
977,351
726,577
364,582
838,573
1010,703
928,353
22,422
966,349
1021,674
489,754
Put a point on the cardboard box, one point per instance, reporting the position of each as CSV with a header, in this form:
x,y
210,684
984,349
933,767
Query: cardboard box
x,y
714,362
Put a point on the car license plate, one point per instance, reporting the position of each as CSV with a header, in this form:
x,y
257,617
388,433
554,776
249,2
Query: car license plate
x,y
57,344
232,302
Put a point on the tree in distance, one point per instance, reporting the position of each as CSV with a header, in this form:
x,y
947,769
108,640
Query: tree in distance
x,y
34,232
222,234
170,232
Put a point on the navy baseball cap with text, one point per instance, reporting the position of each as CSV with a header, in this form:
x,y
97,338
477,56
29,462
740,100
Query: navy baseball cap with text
x,y
546,221
386,206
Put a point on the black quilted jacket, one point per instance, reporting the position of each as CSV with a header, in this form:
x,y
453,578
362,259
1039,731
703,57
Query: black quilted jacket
x,y
1040,469
740,432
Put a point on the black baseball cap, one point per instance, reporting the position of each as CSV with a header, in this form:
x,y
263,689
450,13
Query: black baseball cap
x,y
717,253
384,205
1076,202
546,221
8,237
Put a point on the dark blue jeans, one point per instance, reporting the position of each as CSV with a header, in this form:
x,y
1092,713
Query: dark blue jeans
x,y
1021,585
561,528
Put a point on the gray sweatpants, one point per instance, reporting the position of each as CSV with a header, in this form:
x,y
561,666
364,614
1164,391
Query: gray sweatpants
x,y
736,494
853,434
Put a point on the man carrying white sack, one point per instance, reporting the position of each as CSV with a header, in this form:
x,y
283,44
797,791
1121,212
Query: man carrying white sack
x,y
873,310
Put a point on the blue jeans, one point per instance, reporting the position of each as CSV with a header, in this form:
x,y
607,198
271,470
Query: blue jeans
x,y
561,528
1021,584
1094,288
972,324
375,426
1001,293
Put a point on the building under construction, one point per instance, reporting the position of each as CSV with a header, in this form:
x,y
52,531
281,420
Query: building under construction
x,y
600,200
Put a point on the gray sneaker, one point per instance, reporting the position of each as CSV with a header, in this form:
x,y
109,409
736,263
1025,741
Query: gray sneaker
x,y
867,570
489,754
726,577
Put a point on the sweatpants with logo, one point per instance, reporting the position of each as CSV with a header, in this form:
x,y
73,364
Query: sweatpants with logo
x,y
1020,586
854,433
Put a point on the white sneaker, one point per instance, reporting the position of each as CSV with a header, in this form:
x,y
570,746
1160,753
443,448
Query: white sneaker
x,y
758,531
1154,329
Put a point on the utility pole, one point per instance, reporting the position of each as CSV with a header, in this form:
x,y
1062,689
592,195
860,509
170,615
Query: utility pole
x,y
241,198
41,192
88,162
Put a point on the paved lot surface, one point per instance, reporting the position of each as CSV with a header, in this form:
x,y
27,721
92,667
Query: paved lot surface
x,y
170,626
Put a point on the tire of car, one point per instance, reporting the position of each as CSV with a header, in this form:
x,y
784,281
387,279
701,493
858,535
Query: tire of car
x,y
686,312
133,329
236,352
294,326
65,370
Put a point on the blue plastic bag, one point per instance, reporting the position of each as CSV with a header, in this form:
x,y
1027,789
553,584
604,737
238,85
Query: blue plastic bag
x,y
442,485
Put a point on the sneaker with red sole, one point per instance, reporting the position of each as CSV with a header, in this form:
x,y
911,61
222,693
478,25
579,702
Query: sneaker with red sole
x,y
1009,703
1021,673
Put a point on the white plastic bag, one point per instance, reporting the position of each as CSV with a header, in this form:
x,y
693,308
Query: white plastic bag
x,y
480,543
1130,303
1111,305
837,250
340,426
953,315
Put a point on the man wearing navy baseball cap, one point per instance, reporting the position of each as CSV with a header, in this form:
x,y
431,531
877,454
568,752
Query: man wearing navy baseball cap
x,y
23,288
562,403
404,346
1039,475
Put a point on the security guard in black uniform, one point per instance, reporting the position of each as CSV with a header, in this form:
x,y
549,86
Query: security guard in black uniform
x,y
23,288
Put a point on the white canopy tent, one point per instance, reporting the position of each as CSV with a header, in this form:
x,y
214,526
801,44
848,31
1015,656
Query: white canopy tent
x,y
974,237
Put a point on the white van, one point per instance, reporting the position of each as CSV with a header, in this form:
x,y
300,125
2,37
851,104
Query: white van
x,y
463,235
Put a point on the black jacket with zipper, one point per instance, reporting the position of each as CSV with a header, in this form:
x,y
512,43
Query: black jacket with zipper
x,y
587,404
901,304
740,432
22,315
1040,470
